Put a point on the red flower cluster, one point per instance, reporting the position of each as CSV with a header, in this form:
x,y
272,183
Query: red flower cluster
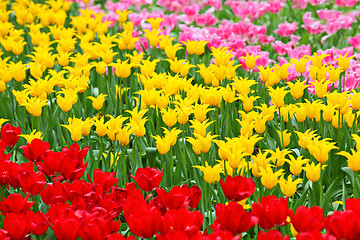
x,y
93,209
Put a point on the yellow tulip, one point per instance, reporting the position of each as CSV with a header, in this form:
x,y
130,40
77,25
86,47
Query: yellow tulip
x,y
211,174
269,179
353,159
98,102
288,187
296,164
313,171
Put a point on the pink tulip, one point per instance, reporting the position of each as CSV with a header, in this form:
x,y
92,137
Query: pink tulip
x,y
346,3
286,29
355,42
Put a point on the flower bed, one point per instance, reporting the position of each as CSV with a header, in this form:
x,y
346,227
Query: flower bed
x,y
179,119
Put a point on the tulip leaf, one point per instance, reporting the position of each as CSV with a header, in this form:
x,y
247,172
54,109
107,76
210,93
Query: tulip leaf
x,y
303,197
50,234
329,195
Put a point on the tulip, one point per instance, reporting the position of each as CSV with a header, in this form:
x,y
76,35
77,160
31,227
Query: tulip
x,y
148,178
122,68
200,111
211,174
15,203
271,211
237,188
250,60
317,60
34,150
344,61
313,171
314,235
54,193
123,15
307,219
320,149
343,225
155,22
143,219
10,135
34,105
272,235
67,228
98,102
170,50
297,88
194,194
288,187
104,179
38,226
176,198
284,138
234,217
277,96
183,220
153,38
162,144
32,182
269,178
17,225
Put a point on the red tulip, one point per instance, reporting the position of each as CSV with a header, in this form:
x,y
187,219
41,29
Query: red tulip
x,y
57,209
54,193
38,224
32,182
105,179
15,169
17,225
67,228
4,235
271,235
177,234
234,217
72,168
3,156
34,150
77,189
343,225
129,194
314,235
75,152
148,178
272,211
194,194
118,236
93,230
4,172
50,163
174,199
183,220
10,135
173,234
143,219
15,203
306,220
353,204
223,235
237,188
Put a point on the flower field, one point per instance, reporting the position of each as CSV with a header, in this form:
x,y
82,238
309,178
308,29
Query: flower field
x,y
179,119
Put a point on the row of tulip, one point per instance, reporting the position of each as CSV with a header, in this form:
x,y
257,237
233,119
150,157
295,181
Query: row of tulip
x,y
93,209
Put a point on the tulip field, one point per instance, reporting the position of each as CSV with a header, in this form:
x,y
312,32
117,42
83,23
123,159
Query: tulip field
x,y
180,119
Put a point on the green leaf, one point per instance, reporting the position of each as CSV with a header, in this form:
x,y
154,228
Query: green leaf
x,y
303,197
329,195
